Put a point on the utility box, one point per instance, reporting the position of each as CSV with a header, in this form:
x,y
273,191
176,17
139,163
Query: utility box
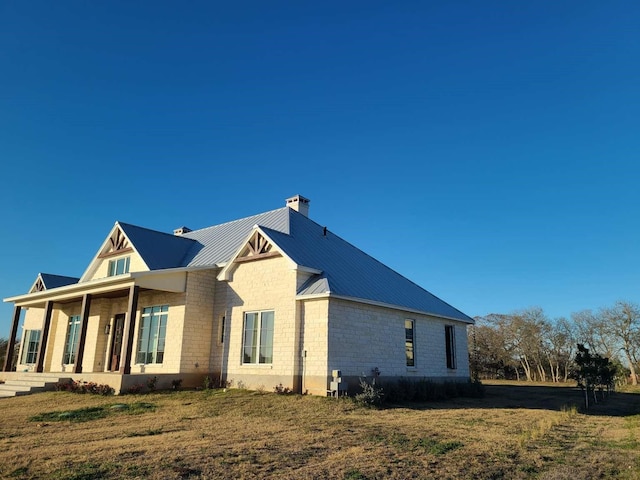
x,y
336,386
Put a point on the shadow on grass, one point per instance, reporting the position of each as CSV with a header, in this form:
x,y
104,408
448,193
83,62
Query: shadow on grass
x,y
540,397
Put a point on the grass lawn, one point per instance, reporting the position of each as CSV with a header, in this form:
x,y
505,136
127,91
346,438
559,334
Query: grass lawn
x,y
515,431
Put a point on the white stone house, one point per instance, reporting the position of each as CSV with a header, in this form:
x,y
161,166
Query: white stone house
x,y
270,299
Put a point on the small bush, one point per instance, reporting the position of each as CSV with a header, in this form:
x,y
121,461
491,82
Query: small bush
x,y
135,389
280,390
84,387
371,395
151,383
175,384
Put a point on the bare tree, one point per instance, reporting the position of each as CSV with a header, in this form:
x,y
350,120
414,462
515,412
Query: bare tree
x,y
523,334
561,344
490,358
592,332
622,323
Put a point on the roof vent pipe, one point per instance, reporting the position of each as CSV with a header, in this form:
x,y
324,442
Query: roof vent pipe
x,y
181,231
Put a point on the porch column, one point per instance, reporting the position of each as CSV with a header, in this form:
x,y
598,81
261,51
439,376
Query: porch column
x,y
46,324
129,328
84,322
12,339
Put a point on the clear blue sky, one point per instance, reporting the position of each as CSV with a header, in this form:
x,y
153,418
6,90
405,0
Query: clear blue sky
x,y
489,151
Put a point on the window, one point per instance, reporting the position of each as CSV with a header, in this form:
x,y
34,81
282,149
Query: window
x,y
222,325
30,346
119,266
73,337
257,345
153,329
408,343
450,338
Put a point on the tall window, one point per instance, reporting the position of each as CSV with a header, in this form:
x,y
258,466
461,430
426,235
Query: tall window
x,y
119,266
222,327
408,343
450,338
257,345
73,336
30,347
153,329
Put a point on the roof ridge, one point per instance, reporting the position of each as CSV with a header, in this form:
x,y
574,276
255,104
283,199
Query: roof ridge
x,y
152,230
234,221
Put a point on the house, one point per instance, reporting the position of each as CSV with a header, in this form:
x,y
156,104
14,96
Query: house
x,y
270,299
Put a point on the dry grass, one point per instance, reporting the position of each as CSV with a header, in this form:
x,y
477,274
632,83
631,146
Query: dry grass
x,y
515,432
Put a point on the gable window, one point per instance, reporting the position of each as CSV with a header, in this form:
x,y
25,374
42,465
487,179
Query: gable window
x,y
450,338
153,330
118,266
73,337
408,343
257,344
30,347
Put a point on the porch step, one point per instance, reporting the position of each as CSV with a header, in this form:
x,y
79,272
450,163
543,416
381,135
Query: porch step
x,y
28,384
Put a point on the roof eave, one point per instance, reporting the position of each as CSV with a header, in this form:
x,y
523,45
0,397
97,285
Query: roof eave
x,y
366,301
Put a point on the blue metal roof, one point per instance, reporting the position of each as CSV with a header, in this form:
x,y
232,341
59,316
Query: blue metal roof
x,y
217,244
346,270
54,281
159,250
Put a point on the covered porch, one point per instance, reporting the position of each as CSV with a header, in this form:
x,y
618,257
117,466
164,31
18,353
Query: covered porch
x,y
102,314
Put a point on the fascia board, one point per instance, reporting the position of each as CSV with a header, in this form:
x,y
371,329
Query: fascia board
x,y
380,304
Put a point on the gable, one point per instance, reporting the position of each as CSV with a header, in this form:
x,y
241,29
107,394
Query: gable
x,y
117,252
256,248
46,281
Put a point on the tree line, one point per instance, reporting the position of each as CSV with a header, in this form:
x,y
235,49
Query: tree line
x,y
527,345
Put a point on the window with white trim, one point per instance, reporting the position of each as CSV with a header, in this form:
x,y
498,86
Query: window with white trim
x,y
119,266
30,347
73,337
257,338
408,343
450,339
151,338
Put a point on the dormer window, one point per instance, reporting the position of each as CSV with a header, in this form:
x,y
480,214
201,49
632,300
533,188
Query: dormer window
x,y
118,266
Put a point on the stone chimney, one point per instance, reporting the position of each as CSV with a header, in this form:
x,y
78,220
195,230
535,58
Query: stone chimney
x,y
299,204
181,231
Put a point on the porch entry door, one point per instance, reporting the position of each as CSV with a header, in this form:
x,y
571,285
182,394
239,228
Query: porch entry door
x,y
116,342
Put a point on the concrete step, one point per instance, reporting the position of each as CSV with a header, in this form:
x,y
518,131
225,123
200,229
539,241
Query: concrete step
x,y
27,384
17,388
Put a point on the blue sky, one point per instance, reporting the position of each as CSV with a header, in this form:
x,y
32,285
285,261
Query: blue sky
x,y
486,150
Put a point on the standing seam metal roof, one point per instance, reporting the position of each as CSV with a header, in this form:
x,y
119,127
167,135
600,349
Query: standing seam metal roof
x,y
346,270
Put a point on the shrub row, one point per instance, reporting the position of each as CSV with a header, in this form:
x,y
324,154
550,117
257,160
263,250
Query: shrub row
x,y
410,390
84,387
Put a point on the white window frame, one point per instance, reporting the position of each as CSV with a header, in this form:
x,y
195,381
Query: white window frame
x,y
410,344
262,352
27,352
119,266
71,348
152,339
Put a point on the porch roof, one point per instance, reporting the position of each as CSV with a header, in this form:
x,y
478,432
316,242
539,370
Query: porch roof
x,y
169,280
